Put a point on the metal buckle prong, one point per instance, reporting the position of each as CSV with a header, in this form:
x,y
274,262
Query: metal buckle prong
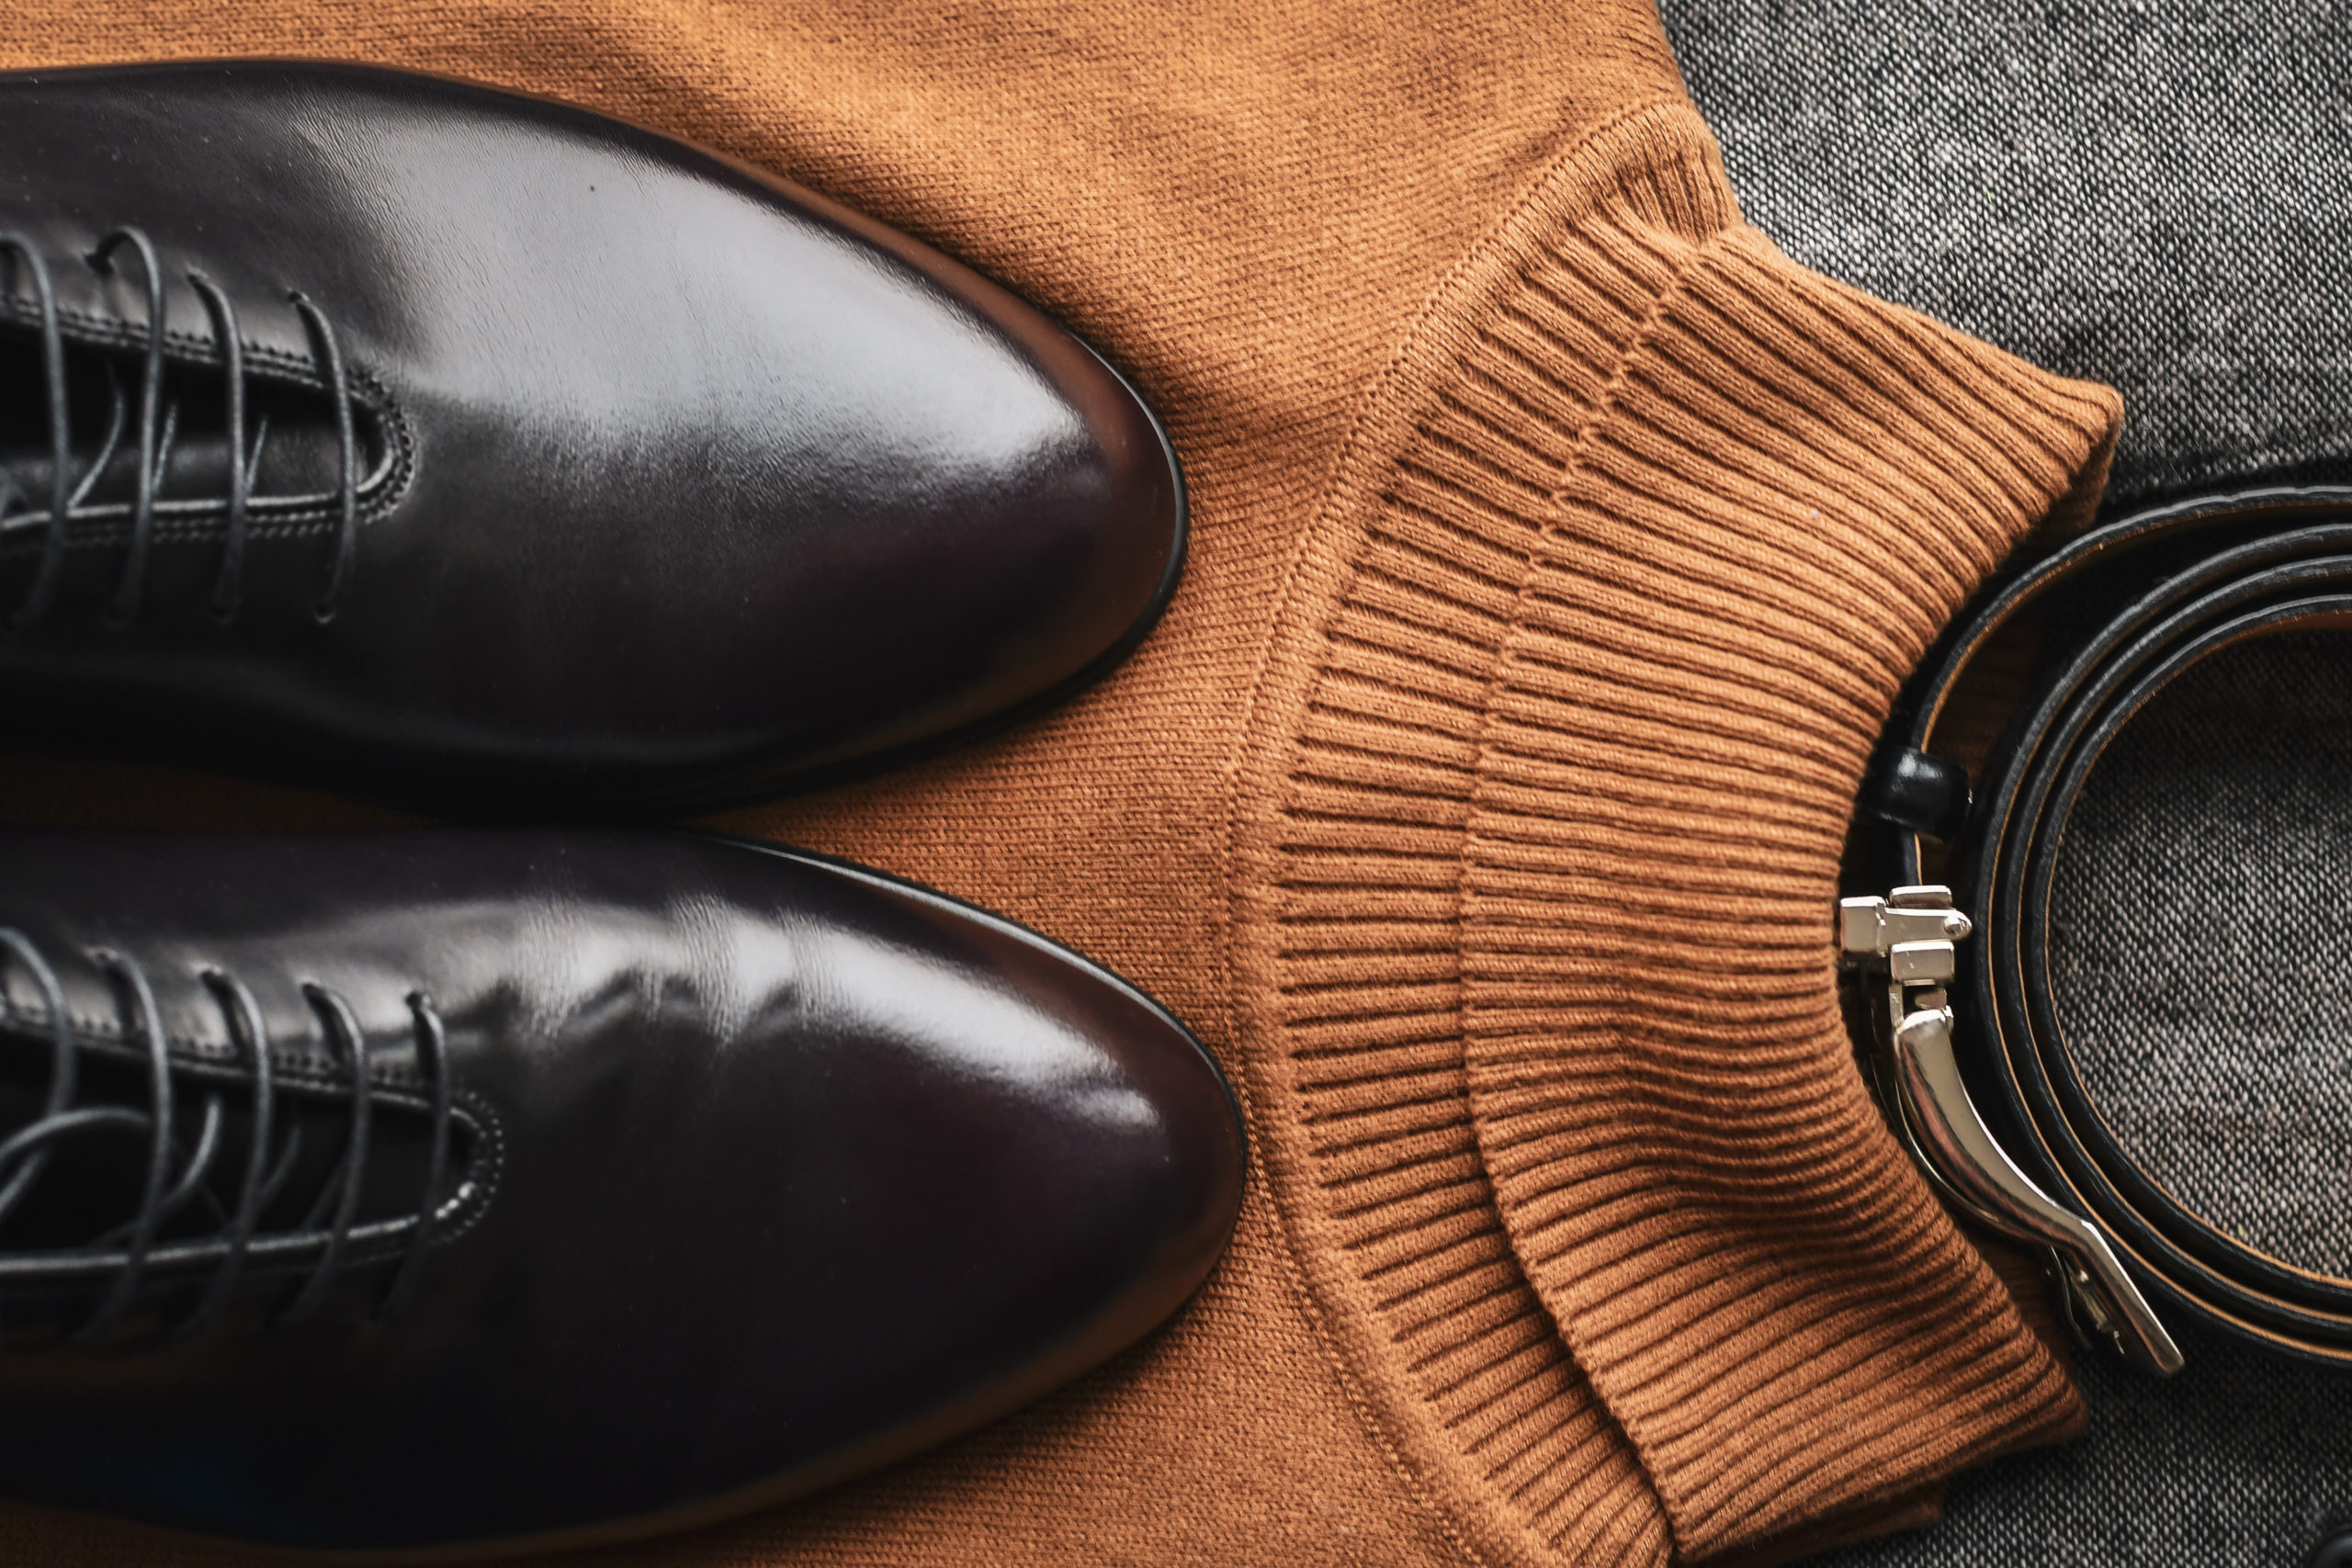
x,y
1911,936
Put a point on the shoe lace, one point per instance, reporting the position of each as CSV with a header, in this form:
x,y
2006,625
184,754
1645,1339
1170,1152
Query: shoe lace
x,y
130,1247
158,426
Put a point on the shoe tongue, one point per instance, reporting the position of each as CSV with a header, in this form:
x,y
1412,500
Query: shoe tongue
x,y
95,1181
295,427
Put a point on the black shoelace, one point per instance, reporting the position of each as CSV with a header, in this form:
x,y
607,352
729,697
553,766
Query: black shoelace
x,y
175,1176
157,428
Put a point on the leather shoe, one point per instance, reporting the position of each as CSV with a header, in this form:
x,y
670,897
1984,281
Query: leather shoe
x,y
476,1190
467,451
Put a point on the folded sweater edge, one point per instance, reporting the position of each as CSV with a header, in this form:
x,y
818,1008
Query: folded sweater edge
x,y
1535,846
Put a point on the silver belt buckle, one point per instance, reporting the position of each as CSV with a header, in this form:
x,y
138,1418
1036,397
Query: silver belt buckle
x,y
1911,936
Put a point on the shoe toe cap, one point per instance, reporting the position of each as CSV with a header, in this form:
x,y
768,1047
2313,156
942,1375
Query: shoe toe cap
x,y
986,516
1004,1165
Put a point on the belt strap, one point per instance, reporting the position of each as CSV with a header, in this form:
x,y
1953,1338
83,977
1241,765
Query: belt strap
x,y
1969,1058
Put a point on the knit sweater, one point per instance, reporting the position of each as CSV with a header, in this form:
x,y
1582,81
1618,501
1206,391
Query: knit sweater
x,y
1559,547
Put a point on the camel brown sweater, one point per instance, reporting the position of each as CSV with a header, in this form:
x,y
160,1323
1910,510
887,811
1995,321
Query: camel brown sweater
x,y
1559,547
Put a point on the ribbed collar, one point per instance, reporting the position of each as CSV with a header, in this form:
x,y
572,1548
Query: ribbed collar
x,y
1547,777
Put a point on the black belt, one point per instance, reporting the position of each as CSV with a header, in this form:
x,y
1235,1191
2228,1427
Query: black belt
x,y
1976,1079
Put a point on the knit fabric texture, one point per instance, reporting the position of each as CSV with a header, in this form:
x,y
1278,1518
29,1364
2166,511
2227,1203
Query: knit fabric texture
x,y
2238,1461
1559,549
2152,196
2196,924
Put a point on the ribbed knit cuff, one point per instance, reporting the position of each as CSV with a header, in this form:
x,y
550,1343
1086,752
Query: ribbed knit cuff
x,y
1548,781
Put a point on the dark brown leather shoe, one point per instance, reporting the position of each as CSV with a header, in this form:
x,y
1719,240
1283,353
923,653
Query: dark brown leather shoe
x,y
486,1189
470,451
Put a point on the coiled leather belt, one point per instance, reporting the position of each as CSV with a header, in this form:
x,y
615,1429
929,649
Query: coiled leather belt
x,y
1970,1060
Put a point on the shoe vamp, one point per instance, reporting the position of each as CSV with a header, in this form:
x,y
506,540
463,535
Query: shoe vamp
x,y
767,1184
691,469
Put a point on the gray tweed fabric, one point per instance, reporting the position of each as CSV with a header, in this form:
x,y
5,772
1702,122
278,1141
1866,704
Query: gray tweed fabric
x,y
2157,194
2198,932
2215,1468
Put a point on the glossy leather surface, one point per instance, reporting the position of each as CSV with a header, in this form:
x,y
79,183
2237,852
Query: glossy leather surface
x,y
2108,621
774,1170
678,483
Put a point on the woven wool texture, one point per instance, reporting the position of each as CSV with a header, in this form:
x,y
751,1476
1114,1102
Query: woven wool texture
x,y
2150,194
2208,1027
1559,547
2227,792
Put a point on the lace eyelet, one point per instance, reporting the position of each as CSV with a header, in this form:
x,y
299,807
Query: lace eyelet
x,y
155,431
175,1179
